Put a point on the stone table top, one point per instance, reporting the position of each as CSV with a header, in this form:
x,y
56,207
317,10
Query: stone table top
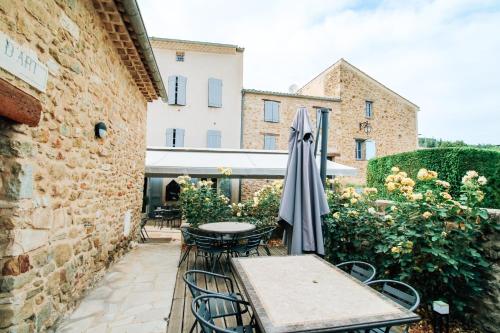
x,y
306,293
227,227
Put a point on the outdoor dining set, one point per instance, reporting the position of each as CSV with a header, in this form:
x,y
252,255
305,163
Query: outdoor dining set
x,y
297,293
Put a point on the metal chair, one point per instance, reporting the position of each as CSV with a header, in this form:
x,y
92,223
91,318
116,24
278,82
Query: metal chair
x,y
188,242
219,308
401,293
244,246
210,248
203,310
360,270
266,233
142,229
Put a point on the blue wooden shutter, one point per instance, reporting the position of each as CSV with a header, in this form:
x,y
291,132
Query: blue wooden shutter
x,y
370,149
169,142
181,90
269,142
276,112
268,111
213,139
215,93
179,137
172,80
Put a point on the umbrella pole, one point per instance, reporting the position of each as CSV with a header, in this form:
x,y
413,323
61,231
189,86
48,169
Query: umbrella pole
x,y
324,144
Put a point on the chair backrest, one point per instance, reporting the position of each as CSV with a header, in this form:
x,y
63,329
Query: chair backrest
x,y
206,243
266,232
401,293
201,310
250,242
190,278
187,236
360,270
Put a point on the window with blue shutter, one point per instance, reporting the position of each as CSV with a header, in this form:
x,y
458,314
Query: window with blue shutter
x,y
214,93
370,149
359,147
213,139
174,137
177,90
272,111
368,109
269,142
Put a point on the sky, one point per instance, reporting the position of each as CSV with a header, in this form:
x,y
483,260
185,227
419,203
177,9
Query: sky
x,y
442,55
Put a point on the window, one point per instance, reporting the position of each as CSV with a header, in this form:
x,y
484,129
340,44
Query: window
x,y
269,142
368,109
272,111
213,139
179,56
177,90
365,149
215,93
175,137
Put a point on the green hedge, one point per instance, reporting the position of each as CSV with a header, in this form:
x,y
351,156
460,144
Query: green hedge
x,y
450,163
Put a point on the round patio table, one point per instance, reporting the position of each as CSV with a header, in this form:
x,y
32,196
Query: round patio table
x,y
227,227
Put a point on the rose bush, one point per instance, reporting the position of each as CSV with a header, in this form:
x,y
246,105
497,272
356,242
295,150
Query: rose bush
x,y
423,236
200,203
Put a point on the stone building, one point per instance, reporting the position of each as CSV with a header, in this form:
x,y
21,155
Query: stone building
x,y
367,119
70,202
204,106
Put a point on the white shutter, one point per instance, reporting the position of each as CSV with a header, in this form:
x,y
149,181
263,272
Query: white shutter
x,y
370,149
181,90
179,137
171,89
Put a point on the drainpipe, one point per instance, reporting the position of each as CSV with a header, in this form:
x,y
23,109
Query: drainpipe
x,y
132,11
324,144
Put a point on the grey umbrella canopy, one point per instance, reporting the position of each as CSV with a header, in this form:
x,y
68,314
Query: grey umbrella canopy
x,y
303,201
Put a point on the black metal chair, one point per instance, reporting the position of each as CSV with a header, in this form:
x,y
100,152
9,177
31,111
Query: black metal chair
x,y
266,233
246,245
361,270
219,308
188,242
401,293
203,309
210,248
142,231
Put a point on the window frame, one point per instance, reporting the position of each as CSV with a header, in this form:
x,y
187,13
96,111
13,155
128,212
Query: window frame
x,y
361,152
368,110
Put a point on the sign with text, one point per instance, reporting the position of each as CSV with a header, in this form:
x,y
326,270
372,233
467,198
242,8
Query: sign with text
x,y
23,63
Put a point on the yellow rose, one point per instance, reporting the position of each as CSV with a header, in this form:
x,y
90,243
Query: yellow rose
x,y
426,215
422,174
354,200
391,186
396,249
446,195
336,215
395,169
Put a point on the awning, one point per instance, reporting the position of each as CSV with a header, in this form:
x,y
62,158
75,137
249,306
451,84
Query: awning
x,y
244,163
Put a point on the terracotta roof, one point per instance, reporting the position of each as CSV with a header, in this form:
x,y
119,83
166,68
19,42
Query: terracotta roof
x,y
274,93
123,22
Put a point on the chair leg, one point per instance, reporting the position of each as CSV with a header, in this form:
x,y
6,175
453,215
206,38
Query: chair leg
x,y
146,232
193,327
184,255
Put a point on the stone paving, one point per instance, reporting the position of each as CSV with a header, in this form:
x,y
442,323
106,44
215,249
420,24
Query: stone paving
x,y
135,295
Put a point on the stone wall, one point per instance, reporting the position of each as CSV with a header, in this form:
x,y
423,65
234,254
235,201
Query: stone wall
x,y
394,120
65,195
254,127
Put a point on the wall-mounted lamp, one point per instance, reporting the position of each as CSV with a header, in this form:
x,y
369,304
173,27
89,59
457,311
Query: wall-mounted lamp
x,y
365,126
101,130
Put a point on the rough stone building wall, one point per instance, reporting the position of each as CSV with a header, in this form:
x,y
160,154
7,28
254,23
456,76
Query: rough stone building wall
x,y
64,194
394,120
254,127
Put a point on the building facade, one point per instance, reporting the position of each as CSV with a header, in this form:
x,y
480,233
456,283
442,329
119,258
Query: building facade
x,y
70,202
204,106
366,120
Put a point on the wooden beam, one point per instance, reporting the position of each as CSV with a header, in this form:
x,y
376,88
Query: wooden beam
x,y
19,106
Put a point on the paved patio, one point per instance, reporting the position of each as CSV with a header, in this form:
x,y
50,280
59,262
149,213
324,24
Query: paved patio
x,y
135,295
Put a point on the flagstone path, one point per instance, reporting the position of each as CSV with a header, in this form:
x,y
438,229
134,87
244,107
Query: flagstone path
x,y
135,295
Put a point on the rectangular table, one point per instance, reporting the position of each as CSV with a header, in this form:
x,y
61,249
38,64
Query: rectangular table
x,y
307,293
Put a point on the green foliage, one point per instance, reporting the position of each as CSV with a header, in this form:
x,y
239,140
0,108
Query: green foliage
x,y
263,208
440,143
200,203
449,163
423,236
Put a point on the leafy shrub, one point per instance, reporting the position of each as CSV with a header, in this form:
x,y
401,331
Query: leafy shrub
x,y
263,208
450,163
200,203
424,236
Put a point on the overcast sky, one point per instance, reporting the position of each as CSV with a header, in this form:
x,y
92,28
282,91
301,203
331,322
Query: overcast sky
x,y
442,55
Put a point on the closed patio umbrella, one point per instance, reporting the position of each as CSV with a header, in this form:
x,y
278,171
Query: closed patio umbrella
x,y
303,201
